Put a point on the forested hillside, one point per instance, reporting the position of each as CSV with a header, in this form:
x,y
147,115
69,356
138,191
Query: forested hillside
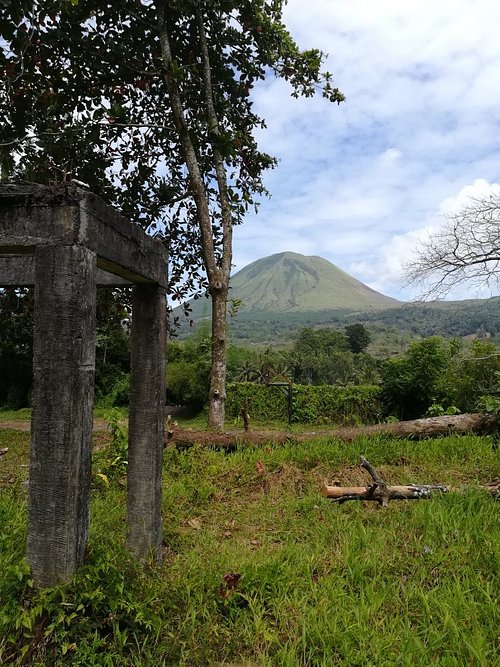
x,y
479,317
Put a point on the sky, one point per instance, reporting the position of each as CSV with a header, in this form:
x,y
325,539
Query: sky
x,y
359,184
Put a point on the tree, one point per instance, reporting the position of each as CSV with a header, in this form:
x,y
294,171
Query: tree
x,y
412,383
148,101
466,249
314,341
357,337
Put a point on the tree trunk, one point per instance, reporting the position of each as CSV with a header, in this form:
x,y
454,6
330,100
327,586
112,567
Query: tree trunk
x,y
217,393
416,429
217,272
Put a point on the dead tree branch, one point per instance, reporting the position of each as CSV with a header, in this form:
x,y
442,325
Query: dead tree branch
x,y
465,250
379,491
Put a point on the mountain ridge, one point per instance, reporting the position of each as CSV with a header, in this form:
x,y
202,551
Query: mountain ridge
x,y
288,282
280,295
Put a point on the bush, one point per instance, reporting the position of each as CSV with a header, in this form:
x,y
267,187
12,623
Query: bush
x,y
410,385
187,383
118,392
310,404
475,375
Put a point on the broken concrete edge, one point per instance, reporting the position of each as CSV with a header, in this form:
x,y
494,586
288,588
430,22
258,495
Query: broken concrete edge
x,y
123,248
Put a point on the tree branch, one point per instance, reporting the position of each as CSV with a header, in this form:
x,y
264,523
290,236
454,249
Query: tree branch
x,y
213,125
187,147
466,249
47,133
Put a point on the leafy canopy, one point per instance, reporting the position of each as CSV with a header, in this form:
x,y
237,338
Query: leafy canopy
x,y
86,97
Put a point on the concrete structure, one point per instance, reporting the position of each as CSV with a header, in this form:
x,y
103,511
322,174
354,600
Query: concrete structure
x,y
65,241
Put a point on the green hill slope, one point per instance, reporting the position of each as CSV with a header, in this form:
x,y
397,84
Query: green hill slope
x,y
282,293
292,283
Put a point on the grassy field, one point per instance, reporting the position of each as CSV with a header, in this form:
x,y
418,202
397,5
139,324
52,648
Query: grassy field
x,y
260,569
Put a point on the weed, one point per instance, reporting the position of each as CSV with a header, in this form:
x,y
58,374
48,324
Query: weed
x,y
259,568
111,463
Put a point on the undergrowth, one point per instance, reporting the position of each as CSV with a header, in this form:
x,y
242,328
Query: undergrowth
x,y
260,569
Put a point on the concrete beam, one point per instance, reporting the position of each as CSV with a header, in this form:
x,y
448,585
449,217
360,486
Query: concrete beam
x,y
35,215
19,271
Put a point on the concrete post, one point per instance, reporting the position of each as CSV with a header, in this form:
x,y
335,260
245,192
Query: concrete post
x,y
147,401
61,424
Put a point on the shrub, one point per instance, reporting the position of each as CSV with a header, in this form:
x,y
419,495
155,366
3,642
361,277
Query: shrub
x,y
318,404
187,383
410,385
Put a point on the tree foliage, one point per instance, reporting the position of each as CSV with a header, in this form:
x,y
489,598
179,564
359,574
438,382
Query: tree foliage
x,y
411,384
473,374
89,94
16,347
315,341
188,370
148,101
358,337
436,372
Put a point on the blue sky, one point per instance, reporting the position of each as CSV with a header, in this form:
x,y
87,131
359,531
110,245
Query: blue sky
x,y
360,183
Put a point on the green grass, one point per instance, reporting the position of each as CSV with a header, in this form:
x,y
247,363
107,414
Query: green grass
x,y
24,414
260,569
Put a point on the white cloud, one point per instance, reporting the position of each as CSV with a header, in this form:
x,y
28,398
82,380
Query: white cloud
x,y
387,270
390,156
477,190
358,183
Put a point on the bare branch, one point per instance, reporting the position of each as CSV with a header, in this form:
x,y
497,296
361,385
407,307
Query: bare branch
x,y
465,250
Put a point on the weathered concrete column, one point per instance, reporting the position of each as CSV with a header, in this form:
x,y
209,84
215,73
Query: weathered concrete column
x,y
147,401
61,423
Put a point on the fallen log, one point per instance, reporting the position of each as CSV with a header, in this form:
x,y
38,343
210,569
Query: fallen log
x,y
379,491
406,492
417,429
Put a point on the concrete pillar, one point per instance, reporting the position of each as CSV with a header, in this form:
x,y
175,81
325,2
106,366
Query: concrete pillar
x,y
61,423
147,401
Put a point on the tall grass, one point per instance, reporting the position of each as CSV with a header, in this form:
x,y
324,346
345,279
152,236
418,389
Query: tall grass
x,y
260,569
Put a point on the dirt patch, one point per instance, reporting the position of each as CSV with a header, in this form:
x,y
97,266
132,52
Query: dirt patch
x,y
25,425
15,425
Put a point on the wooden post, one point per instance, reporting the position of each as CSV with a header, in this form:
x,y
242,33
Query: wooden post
x,y
61,424
147,402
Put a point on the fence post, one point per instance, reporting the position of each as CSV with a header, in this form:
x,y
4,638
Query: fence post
x,y
61,424
147,402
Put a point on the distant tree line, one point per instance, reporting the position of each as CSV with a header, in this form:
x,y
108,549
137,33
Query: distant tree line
x,y
434,375
443,318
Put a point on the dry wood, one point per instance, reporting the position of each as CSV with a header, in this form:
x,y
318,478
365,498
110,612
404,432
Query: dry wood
x,y
379,491
245,416
416,429
372,492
